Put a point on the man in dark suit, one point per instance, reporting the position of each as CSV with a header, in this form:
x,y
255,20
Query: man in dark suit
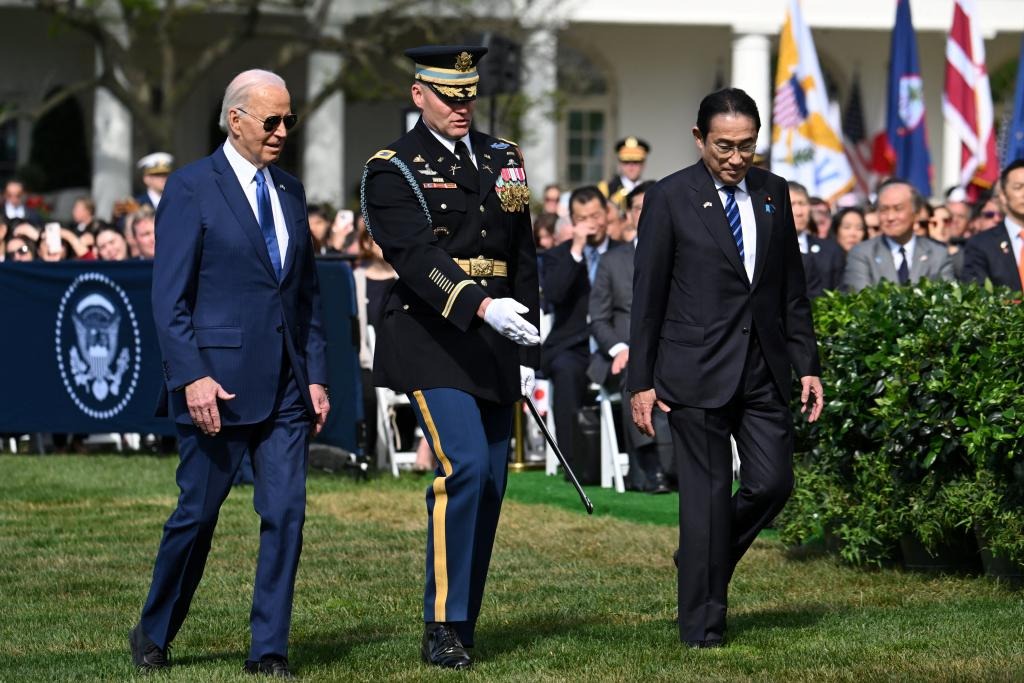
x,y
823,259
569,270
14,205
611,299
897,255
449,208
998,254
720,320
237,312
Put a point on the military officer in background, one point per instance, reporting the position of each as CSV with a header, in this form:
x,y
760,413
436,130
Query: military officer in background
x,y
155,168
449,208
632,154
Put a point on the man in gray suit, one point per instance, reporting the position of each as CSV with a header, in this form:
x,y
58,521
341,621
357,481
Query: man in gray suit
x,y
611,300
896,255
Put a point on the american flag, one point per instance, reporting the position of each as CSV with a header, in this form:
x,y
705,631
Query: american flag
x,y
789,109
967,99
855,141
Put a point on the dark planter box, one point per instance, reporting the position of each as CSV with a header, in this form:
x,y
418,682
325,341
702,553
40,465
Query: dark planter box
x,y
998,567
958,556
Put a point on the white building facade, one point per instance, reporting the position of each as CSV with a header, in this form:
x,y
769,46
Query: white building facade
x,y
594,71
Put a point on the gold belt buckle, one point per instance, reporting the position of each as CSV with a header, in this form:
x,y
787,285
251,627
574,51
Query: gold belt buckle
x,y
481,267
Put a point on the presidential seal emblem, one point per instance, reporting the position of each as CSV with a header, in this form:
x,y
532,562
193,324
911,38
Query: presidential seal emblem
x,y
98,345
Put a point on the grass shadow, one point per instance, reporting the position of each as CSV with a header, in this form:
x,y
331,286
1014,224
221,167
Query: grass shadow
x,y
326,648
795,619
494,641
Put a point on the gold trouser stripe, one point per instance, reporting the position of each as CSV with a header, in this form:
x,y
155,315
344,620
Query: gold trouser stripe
x,y
451,297
440,509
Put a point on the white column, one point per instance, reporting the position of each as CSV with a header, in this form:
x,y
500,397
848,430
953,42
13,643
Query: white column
x,y
950,160
111,151
751,72
540,81
323,151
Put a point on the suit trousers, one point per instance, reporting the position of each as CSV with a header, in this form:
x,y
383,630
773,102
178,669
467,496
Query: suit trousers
x,y
279,448
469,438
715,527
567,370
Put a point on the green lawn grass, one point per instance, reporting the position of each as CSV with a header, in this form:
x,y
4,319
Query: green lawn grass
x,y
570,597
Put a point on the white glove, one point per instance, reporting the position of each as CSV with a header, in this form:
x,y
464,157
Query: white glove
x,y
503,316
527,380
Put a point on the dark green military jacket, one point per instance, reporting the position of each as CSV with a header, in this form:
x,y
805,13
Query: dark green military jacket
x,y
455,234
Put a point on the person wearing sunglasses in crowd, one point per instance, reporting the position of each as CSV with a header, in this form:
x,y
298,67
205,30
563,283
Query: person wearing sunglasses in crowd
x,y
19,249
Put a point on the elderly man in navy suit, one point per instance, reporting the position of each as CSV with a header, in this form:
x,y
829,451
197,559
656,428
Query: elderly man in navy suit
x,y
237,313
998,254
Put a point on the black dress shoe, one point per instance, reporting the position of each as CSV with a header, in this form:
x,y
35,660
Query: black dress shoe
x,y
658,485
146,654
704,644
271,665
442,647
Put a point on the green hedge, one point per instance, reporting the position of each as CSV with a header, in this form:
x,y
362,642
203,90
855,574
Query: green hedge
x,y
923,428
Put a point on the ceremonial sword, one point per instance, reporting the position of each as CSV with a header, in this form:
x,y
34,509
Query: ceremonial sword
x,y
558,454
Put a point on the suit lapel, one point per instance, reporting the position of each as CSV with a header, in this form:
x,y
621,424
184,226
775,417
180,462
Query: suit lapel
x,y
884,261
921,265
227,181
759,202
288,210
708,206
488,162
1006,260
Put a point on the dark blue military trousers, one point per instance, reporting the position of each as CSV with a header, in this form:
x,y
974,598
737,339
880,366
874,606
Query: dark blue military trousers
x,y
279,450
469,438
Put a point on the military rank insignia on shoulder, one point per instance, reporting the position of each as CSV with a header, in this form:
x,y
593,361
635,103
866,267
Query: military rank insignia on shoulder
x,y
384,154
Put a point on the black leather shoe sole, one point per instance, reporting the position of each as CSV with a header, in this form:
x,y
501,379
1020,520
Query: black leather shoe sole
x,y
137,643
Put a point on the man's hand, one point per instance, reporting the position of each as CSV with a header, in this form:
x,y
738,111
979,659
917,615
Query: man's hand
x,y
620,361
581,232
527,380
642,403
321,404
201,397
811,385
504,316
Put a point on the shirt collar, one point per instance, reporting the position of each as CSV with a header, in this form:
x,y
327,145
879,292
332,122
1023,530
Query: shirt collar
x,y
450,144
741,185
243,168
1013,227
894,246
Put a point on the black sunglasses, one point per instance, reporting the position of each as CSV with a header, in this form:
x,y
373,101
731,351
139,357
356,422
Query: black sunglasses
x,y
271,123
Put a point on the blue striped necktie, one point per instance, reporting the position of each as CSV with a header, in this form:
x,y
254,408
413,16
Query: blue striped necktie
x,y
266,219
732,212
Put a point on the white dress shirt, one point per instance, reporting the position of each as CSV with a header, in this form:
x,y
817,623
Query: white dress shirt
x,y
747,221
450,144
894,249
14,211
1016,240
154,198
246,173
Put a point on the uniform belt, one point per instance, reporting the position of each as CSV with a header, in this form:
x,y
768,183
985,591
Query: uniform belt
x,y
483,267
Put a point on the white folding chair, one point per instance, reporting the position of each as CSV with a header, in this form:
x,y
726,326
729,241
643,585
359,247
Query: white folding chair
x,y
388,402
614,462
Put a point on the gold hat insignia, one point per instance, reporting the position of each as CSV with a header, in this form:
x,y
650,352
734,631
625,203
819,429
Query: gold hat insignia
x,y
464,62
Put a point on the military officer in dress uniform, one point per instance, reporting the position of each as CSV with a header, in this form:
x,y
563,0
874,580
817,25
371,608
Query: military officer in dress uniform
x,y
449,208
632,153
155,168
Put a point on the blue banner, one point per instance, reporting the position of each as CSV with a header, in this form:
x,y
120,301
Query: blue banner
x,y
80,353
905,120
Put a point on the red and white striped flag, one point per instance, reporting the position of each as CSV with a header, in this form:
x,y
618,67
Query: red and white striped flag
x,y
856,143
967,99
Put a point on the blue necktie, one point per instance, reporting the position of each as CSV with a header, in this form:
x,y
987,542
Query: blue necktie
x,y
732,212
265,215
591,255
903,273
